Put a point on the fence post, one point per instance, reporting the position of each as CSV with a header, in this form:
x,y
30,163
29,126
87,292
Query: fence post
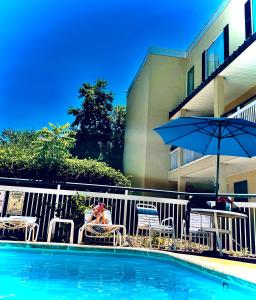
x,y
125,206
230,235
57,200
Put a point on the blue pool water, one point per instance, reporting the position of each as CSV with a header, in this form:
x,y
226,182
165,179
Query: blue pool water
x,y
62,274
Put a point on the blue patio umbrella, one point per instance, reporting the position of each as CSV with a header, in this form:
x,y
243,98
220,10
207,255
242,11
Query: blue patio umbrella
x,y
211,136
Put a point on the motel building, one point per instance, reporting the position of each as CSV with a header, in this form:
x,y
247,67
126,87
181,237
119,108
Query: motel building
x,y
215,76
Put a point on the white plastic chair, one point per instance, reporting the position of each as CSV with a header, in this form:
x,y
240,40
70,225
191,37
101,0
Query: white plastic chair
x,y
198,233
148,220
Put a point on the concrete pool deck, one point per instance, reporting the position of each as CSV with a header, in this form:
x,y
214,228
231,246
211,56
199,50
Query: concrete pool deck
x,y
227,269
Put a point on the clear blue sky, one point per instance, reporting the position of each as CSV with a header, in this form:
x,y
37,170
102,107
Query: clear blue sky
x,y
49,47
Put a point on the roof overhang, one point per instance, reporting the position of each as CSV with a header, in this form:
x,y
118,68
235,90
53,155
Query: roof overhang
x,y
239,71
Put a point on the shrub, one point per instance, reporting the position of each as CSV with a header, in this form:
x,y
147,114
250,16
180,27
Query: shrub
x,y
92,171
73,170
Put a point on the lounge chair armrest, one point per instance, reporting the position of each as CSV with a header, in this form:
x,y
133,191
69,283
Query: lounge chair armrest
x,y
168,219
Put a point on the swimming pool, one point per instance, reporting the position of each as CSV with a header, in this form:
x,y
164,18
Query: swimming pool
x,y
41,273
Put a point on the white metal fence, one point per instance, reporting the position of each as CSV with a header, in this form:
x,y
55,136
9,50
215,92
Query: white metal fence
x,y
47,203
243,231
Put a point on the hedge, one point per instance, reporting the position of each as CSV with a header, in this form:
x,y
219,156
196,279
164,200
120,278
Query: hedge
x,y
72,170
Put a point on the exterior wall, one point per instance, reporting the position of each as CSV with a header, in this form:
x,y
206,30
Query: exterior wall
x,y
251,180
233,15
136,127
159,87
167,89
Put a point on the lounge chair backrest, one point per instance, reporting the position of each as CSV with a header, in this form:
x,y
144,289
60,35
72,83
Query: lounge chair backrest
x,y
107,215
197,222
147,215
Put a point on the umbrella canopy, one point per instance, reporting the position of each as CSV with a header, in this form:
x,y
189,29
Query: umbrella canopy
x,y
211,136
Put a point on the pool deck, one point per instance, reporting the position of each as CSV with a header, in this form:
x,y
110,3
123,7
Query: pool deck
x,y
228,269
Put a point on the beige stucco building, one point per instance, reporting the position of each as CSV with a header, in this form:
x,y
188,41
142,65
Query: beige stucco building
x,y
215,76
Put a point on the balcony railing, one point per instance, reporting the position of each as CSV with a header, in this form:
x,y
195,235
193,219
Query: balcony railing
x,y
180,157
174,159
189,156
248,112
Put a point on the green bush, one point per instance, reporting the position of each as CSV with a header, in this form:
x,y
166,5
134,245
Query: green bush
x,y
73,170
44,155
92,171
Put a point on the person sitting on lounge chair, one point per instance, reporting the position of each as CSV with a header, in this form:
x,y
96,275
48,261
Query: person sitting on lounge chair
x,y
98,224
98,215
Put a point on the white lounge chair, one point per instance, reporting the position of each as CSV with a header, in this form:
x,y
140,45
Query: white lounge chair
x,y
21,222
102,231
148,220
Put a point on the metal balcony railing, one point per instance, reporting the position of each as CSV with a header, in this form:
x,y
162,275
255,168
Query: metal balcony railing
x,y
248,112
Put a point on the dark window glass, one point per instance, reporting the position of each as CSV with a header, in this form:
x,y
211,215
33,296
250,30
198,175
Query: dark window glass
x,y
254,15
214,55
203,66
241,187
248,18
190,81
226,42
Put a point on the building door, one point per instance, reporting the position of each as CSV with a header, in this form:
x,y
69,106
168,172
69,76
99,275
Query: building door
x,y
241,187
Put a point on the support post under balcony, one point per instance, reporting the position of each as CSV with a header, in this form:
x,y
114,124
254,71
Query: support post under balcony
x,y
181,184
218,96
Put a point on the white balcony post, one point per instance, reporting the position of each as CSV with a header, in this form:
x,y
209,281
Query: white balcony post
x,y
218,96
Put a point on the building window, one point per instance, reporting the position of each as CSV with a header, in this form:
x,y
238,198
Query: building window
x,y
203,66
241,187
214,55
248,18
226,41
254,15
190,81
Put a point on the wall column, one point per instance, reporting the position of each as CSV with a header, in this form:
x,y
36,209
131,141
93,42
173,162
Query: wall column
x,y
181,184
218,96
182,112
223,178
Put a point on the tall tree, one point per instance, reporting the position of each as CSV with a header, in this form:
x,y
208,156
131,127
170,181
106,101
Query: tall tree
x,y
117,143
93,121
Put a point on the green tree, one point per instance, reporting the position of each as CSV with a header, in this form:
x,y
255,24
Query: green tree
x,y
52,146
17,142
117,142
93,121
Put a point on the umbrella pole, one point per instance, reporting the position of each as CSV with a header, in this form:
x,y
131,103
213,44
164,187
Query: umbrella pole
x,y
218,163
217,176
